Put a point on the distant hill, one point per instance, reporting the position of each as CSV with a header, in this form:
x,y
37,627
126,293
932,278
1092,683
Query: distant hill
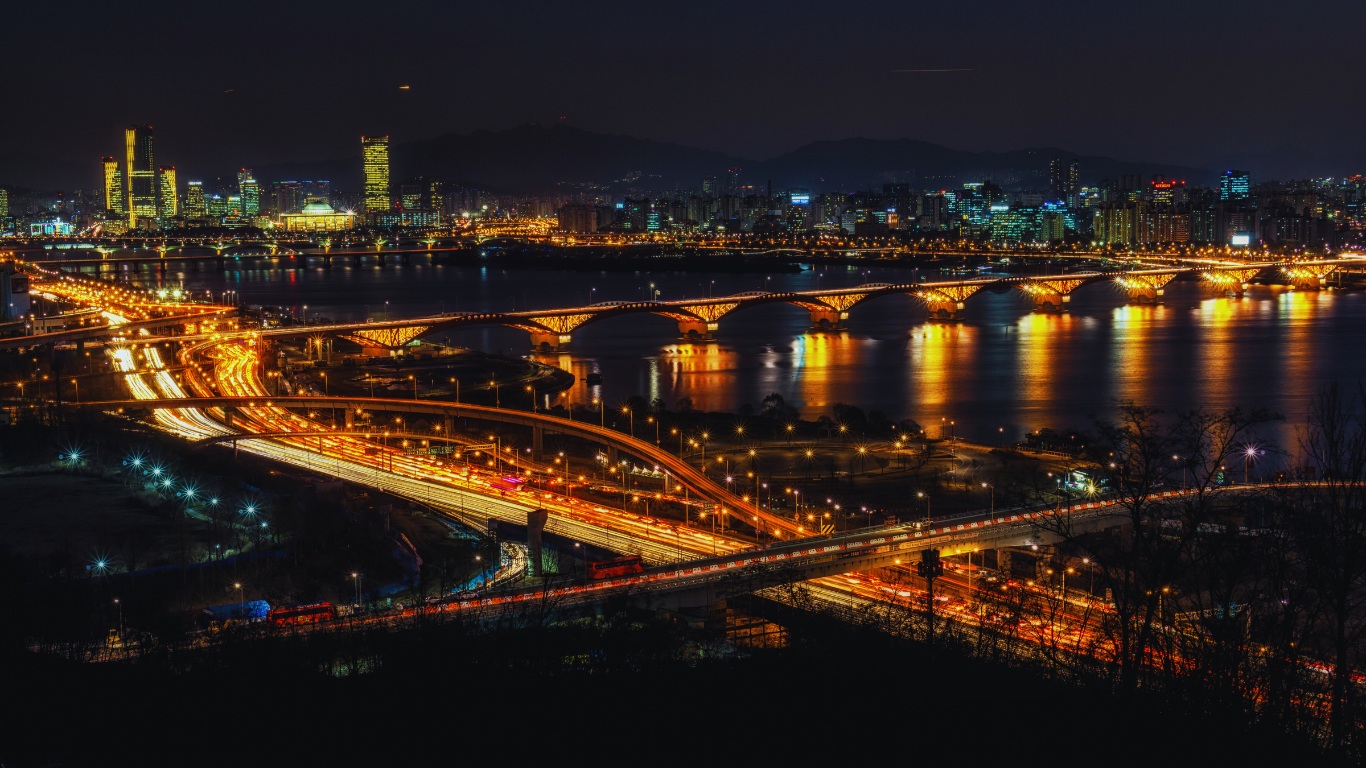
x,y
863,163
538,158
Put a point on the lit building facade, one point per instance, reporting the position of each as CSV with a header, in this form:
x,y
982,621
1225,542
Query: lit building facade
x,y
251,197
375,156
195,205
113,187
316,216
168,204
1234,185
140,174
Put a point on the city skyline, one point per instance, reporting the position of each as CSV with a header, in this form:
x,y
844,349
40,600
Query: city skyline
x,y
750,83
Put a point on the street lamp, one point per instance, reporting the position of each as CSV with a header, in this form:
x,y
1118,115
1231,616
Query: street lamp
x,y
497,403
602,411
119,605
241,601
456,383
630,419
355,577
532,389
413,379
993,500
77,384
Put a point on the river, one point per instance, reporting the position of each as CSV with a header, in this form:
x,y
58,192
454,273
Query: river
x,y
1002,371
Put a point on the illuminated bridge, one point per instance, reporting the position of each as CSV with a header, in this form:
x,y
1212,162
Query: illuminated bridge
x,y
698,319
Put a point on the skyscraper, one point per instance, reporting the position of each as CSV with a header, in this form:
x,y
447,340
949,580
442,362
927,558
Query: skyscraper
x,y
168,203
1064,181
375,154
1234,185
140,175
195,207
113,187
250,192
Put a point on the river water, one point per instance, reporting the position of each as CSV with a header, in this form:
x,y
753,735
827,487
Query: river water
x,y
1002,371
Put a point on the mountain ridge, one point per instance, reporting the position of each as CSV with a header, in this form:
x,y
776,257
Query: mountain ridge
x,y
533,158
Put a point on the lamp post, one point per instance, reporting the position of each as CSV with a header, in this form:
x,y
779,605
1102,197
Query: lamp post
x,y
77,385
602,411
532,389
119,604
630,419
413,379
921,495
993,500
456,383
497,402
355,578
241,601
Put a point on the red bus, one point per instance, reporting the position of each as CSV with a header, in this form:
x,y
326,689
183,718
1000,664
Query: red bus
x,y
617,566
312,613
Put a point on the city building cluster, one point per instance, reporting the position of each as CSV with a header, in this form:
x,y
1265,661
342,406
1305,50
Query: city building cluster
x,y
1126,212
138,195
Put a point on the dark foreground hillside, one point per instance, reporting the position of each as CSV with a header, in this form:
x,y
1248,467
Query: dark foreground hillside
x,y
630,692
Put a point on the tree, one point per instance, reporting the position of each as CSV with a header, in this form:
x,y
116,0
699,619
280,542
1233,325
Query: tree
x,y
1327,523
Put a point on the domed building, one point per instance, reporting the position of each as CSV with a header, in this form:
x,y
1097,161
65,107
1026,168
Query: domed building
x,y
316,216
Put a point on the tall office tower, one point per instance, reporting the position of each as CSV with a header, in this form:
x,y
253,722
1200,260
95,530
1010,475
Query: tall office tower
x,y
1234,185
168,204
4,203
140,176
113,186
242,176
375,154
1064,181
195,205
250,192
413,193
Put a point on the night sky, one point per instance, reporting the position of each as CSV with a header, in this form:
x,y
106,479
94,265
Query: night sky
x,y
247,83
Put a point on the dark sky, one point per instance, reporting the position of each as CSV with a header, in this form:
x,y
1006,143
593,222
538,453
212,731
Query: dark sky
x,y
238,83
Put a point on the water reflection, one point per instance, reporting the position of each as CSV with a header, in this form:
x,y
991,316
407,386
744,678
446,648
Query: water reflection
x,y
1002,369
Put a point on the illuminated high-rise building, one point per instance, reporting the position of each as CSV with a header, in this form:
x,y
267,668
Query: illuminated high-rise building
x,y
139,174
1064,181
168,203
375,155
113,187
1234,185
250,192
195,205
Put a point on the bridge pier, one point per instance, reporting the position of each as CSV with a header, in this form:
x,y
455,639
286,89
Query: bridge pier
x,y
696,330
827,319
355,261
327,261
538,443
382,259
946,311
404,258
220,262
1145,295
1051,304
549,341
1308,282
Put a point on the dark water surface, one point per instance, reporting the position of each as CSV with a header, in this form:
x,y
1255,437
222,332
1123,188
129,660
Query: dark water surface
x,y
1000,372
